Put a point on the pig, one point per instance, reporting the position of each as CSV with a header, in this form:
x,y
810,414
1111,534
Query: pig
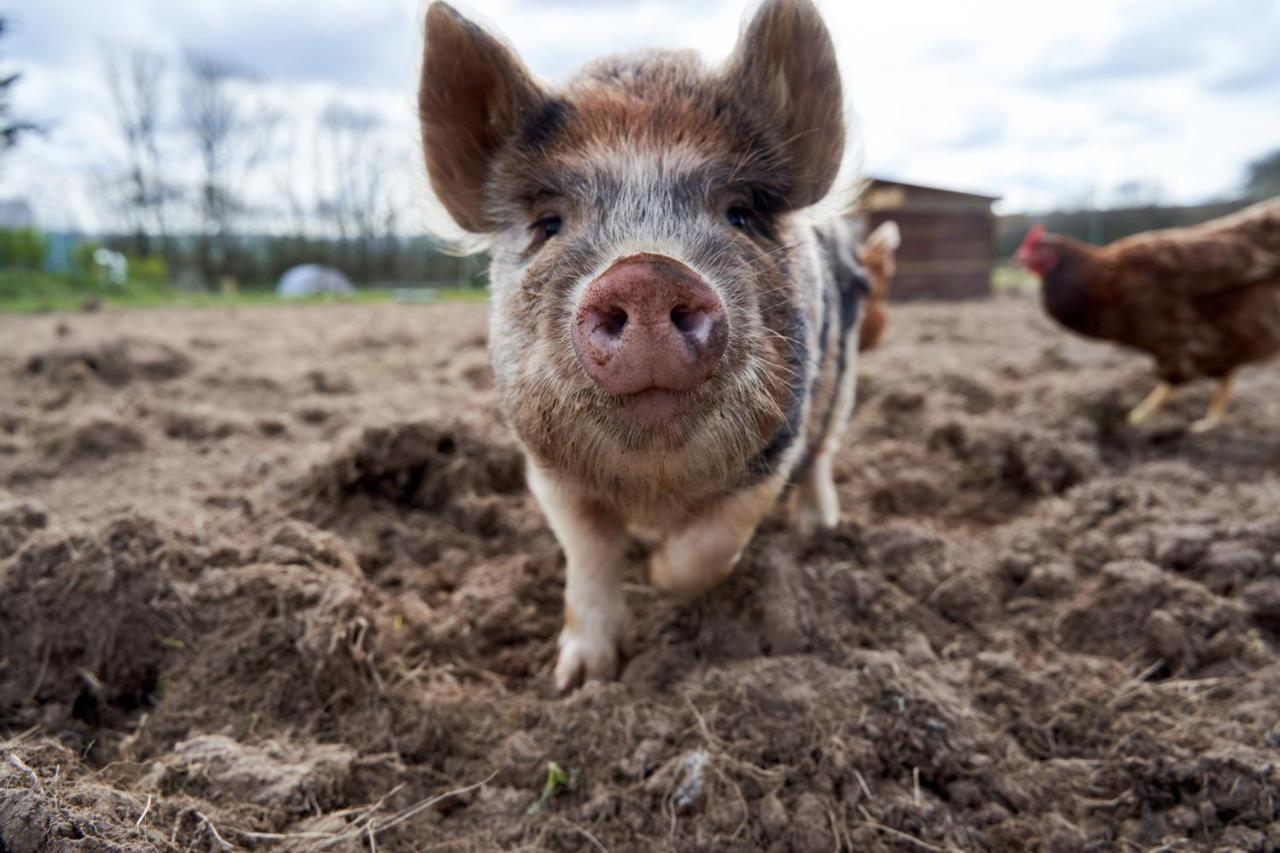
x,y
673,327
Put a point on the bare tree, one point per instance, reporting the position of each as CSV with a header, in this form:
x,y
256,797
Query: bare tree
x,y
231,129
11,129
356,198
296,209
136,79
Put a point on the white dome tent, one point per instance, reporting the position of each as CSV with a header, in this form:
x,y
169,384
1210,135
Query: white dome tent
x,y
313,280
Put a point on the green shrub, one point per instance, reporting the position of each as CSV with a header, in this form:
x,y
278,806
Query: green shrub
x,y
83,256
151,272
21,248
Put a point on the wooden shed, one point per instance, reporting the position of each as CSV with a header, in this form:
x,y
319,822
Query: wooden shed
x,y
948,238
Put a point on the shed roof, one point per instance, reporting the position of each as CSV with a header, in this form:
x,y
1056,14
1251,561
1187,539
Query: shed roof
x,y
882,183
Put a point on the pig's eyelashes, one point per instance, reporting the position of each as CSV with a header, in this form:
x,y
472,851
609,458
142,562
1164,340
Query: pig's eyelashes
x,y
739,217
547,227
542,230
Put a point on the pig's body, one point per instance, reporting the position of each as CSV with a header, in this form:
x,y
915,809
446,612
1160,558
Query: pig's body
x,y
673,336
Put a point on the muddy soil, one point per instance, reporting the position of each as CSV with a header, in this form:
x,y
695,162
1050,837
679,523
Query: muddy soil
x,y
271,580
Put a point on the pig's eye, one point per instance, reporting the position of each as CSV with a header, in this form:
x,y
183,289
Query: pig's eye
x,y
739,217
547,227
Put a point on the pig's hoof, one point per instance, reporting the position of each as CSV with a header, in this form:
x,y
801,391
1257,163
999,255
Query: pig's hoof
x,y
583,658
809,524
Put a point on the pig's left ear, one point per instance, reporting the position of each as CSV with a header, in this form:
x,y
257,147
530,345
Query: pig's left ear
x,y
474,95
785,64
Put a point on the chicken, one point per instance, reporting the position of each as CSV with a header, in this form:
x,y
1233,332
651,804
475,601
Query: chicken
x,y
877,257
1203,300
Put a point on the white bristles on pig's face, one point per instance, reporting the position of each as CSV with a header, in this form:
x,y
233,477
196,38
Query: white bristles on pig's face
x,y
660,311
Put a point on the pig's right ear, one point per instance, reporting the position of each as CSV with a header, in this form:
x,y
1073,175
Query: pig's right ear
x,y
472,98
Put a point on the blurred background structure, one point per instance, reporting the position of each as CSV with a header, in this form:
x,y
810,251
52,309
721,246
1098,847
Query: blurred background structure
x,y
948,238
215,146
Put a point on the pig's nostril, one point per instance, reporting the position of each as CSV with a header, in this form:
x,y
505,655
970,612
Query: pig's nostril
x,y
612,322
687,320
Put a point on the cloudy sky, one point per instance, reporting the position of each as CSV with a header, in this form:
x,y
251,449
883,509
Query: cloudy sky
x,y
1042,104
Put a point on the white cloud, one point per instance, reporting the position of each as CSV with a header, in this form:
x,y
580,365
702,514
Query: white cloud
x,y
999,96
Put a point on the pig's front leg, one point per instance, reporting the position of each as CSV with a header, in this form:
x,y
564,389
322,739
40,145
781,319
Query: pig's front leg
x,y
702,553
815,503
595,611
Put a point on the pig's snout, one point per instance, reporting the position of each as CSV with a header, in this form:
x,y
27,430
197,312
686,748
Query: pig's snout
x,y
649,323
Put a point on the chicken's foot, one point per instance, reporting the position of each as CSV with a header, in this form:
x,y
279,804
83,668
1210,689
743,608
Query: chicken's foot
x,y
1153,403
1217,405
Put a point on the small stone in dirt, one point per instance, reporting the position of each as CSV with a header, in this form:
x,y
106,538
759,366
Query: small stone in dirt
x,y
328,382
197,425
1262,597
1165,636
1229,565
772,815
313,415
1181,546
1051,579
272,427
691,791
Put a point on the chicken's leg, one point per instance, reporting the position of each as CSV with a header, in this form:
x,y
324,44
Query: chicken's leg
x,y
1217,405
1153,403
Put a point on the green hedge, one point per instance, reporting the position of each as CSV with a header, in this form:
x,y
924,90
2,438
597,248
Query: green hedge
x,y
21,249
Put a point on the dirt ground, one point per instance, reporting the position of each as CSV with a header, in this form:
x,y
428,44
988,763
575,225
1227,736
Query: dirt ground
x,y
270,579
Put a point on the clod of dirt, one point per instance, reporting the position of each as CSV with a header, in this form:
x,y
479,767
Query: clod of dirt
x,y
41,813
1134,609
329,382
197,424
298,543
88,621
301,634
274,775
1262,597
1034,463
19,518
113,363
423,465
914,558
97,437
